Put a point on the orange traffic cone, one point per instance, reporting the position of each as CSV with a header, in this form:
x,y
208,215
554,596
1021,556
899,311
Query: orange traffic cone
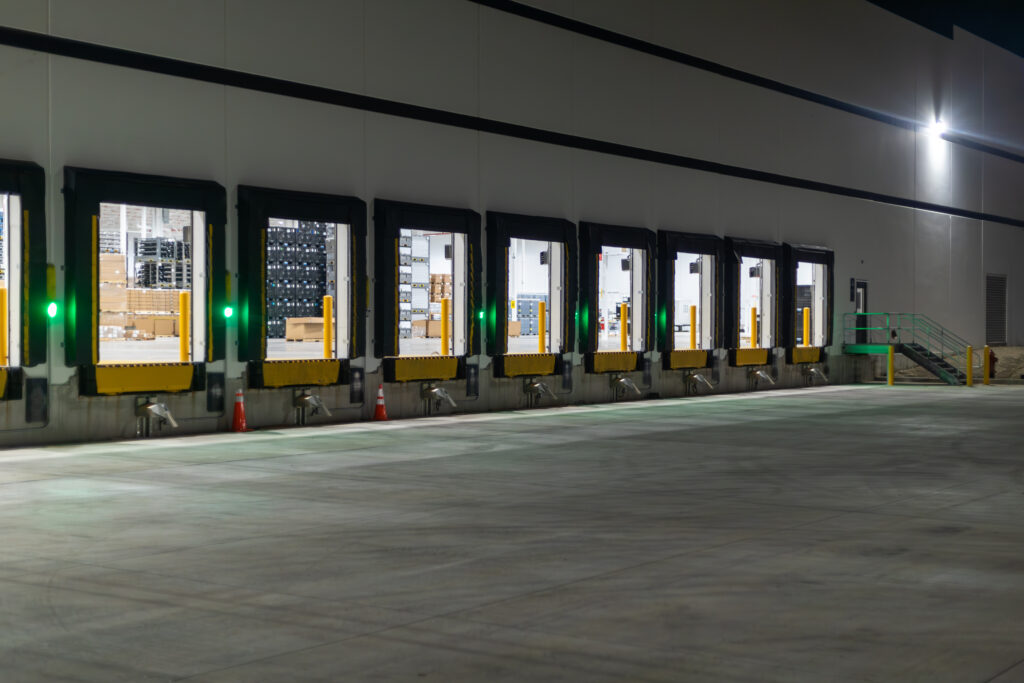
x,y
380,413
238,422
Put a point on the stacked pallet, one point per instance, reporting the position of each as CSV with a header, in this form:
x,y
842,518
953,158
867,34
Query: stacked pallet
x,y
135,313
440,287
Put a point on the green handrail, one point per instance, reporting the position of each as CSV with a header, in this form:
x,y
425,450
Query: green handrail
x,y
908,328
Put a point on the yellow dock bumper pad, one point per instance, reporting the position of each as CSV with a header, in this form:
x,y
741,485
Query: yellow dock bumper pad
x,y
139,378
751,357
415,368
291,373
3,381
615,361
520,364
806,354
687,359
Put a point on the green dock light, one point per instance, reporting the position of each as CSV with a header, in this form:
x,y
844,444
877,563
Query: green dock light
x,y
228,311
51,309
480,315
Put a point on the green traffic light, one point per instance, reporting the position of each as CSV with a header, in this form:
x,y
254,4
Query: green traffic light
x,y
51,309
228,311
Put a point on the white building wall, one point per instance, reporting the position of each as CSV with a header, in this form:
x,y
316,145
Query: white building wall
x,y
460,57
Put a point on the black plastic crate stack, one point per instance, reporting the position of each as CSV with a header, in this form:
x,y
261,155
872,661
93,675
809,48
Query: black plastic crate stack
x,y
528,312
162,263
296,274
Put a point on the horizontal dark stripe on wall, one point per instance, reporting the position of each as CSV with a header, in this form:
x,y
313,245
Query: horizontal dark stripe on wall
x,y
102,54
623,40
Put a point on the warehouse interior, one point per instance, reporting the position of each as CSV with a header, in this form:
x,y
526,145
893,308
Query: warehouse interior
x,y
316,363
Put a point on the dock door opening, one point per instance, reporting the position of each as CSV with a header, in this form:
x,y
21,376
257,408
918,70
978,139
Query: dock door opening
x,y
622,299
757,303
693,326
151,284
308,268
11,280
536,281
431,293
811,303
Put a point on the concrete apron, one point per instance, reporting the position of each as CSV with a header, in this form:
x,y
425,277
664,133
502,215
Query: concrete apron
x,y
74,418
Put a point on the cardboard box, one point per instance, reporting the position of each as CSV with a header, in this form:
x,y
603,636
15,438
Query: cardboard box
x,y
113,297
142,323
165,326
419,328
304,329
108,318
141,300
113,268
515,328
433,328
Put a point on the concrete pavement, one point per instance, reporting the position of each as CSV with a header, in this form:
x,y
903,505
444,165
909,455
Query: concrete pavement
x,y
835,534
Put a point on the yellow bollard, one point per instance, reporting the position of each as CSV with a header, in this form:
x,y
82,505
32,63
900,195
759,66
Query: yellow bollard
x,y
542,309
807,327
753,327
693,328
328,326
445,348
623,324
970,366
890,370
3,326
184,324
987,365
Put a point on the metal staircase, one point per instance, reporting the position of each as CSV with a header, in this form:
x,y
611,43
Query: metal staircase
x,y
916,336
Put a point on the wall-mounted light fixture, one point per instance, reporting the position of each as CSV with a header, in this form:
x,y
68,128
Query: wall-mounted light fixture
x,y
937,129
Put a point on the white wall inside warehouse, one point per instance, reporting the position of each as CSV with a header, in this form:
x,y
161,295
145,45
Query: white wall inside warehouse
x,y
458,56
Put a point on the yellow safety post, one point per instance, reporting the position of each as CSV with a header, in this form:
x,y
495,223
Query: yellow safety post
x,y
328,326
445,348
753,327
184,333
987,364
542,327
623,322
3,326
693,328
891,371
807,327
970,366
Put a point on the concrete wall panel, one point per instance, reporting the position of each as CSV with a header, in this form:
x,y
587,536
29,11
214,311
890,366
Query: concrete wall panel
x,y
266,147
184,29
932,266
423,53
967,281
533,179
319,42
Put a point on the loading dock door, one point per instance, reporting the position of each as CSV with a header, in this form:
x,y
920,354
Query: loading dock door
x,y
302,286
616,283
530,316
424,329
144,275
